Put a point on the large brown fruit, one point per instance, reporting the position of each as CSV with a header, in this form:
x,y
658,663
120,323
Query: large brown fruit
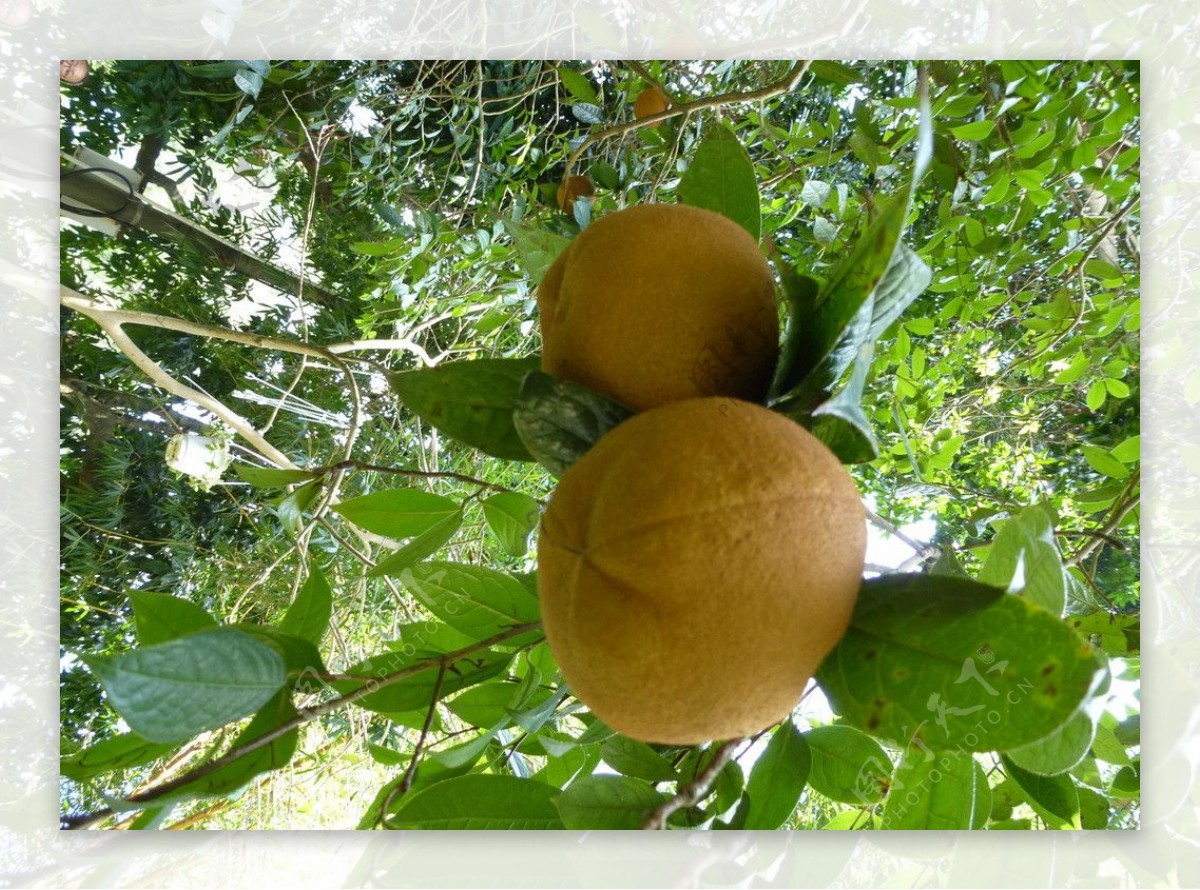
x,y
661,302
695,566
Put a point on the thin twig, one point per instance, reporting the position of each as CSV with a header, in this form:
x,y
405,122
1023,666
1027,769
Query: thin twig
x,y
694,791
785,85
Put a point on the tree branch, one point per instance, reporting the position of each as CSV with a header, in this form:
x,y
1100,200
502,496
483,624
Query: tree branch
x,y
694,791
306,715
784,85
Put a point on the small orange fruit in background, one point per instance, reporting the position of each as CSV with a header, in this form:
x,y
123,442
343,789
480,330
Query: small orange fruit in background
x,y
650,101
571,188
694,568
661,302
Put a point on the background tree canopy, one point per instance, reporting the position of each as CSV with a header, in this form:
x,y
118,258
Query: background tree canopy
x,y
340,627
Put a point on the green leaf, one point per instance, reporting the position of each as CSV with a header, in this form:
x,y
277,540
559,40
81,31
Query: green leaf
x,y
421,547
1054,798
559,420
1024,559
117,752
840,422
822,345
271,477
536,248
974,132
1060,750
161,617
235,775
1128,781
721,178
415,690
398,512
486,704
1093,809
983,799
1073,371
512,517
834,72
308,615
474,600
932,792
577,85
852,820
636,759
1106,746
1118,635
607,802
954,663
178,689
471,401
290,508
1096,395
481,802
1103,462
865,149
777,779
847,765
1129,451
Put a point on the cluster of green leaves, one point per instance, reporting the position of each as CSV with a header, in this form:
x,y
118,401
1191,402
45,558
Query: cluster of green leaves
x,y
981,371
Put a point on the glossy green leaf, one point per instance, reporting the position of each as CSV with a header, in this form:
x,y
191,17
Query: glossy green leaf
x,y
721,178
471,401
777,779
421,547
476,601
607,802
398,512
931,792
559,420
1103,462
415,689
1060,750
481,802
1054,798
1128,781
954,663
161,617
178,689
512,517
308,615
1024,559
1096,395
1129,451
636,759
848,765
840,422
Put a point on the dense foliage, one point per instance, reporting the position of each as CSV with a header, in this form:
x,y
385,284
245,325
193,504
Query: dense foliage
x,y
967,339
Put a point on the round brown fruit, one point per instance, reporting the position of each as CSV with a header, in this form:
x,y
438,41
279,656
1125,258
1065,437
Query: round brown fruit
x,y
694,568
571,188
649,101
661,302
